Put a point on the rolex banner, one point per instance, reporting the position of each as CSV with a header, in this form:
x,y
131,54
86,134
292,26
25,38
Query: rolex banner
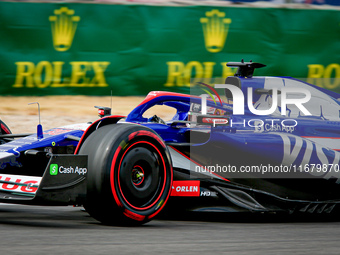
x,y
93,49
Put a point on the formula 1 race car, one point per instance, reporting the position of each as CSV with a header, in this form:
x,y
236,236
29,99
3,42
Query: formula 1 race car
x,y
277,151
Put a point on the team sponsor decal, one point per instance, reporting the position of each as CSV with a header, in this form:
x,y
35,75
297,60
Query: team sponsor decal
x,y
19,183
55,169
208,193
9,158
185,189
212,120
304,155
57,131
79,126
261,126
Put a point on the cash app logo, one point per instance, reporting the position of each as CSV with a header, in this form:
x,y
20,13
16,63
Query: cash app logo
x,y
53,169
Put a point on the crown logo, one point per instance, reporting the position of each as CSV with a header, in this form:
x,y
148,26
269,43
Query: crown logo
x,y
64,25
215,29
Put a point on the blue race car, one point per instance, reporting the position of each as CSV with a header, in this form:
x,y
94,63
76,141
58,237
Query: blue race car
x,y
277,151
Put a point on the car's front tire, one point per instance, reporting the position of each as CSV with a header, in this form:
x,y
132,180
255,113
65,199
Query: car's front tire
x,y
129,174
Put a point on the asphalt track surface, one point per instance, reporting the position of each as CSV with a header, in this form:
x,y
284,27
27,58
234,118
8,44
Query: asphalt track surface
x,y
69,230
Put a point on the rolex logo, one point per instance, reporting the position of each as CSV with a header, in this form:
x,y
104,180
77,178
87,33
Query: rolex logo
x,y
215,29
64,25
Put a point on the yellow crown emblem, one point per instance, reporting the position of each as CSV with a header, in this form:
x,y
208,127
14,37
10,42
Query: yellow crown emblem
x,y
215,29
64,25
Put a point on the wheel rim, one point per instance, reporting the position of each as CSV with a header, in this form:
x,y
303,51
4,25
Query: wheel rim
x,y
137,175
144,159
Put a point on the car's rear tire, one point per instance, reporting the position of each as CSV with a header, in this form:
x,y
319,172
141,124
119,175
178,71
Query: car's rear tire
x,y
129,174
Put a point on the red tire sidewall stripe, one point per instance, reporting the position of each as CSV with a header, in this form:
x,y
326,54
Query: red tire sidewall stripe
x,y
112,177
147,133
4,128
